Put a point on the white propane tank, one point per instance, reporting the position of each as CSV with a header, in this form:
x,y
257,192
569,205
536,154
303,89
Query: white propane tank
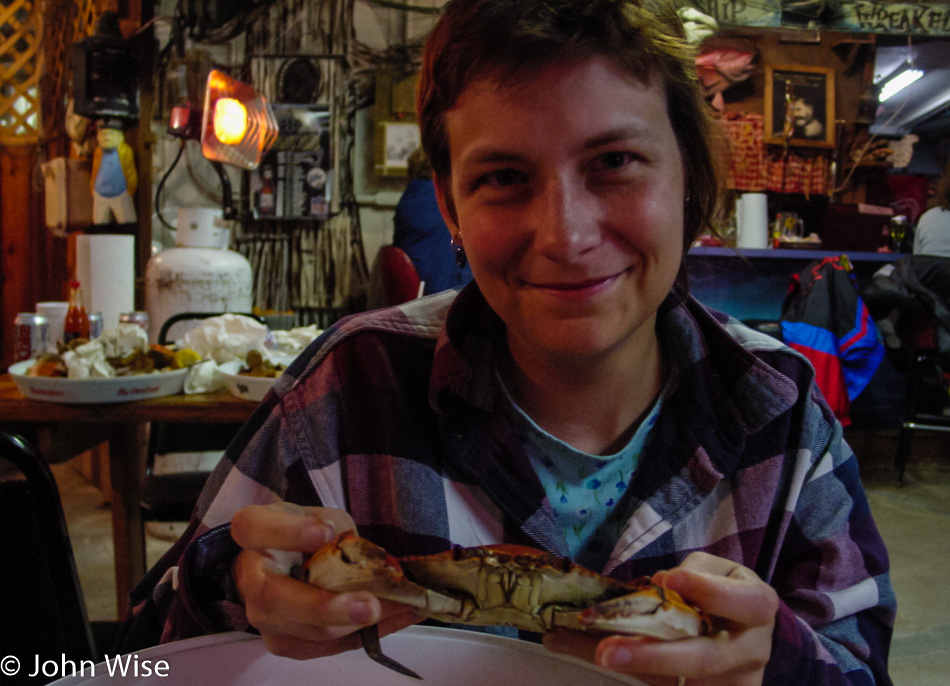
x,y
200,274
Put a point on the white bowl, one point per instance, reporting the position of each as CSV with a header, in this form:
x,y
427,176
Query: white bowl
x,y
119,389
443,657
248,387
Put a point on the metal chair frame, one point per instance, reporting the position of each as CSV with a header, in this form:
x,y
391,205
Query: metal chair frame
x,y
914,418
68,631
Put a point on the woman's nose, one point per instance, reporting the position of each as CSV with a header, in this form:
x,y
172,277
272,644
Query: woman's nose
x,y
564,220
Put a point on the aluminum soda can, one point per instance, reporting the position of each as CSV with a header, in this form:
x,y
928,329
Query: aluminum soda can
x,y
30,335
140,318
95,325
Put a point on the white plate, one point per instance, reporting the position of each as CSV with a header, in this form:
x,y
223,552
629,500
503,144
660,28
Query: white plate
x,y
442,657
248,387
119,389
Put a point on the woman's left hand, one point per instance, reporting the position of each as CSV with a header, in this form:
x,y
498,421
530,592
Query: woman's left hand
x,y
735,654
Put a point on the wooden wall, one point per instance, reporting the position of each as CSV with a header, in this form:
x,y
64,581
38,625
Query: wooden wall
x,y
32,263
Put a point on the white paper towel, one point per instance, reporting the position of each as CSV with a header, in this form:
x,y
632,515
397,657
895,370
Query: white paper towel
x,y
753,226
105,268
55,312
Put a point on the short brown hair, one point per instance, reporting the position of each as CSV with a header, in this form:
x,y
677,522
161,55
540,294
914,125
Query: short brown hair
x,y
508,39
418,166
941,197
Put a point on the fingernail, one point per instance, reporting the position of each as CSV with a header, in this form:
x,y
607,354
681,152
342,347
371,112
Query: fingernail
x,y
615,658
318,534
362,612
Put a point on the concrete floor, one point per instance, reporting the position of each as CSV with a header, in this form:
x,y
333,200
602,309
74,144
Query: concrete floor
x,y
914,521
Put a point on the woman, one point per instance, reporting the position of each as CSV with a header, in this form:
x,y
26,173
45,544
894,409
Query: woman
x,y
572,398
932,236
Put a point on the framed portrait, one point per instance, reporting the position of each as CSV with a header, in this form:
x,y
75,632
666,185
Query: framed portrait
x,y
800,101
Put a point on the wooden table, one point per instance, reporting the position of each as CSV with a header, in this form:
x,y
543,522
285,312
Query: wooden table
x,y
61,432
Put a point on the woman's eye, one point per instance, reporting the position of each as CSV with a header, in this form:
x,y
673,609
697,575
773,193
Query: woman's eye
x,y
613,160
504,177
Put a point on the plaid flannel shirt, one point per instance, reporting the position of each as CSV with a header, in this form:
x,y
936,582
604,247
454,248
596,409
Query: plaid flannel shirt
x,y
391,415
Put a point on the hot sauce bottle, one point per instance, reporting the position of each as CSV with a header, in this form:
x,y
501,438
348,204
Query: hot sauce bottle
x,y
76,324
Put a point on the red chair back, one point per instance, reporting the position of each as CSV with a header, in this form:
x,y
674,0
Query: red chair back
x,y
394,279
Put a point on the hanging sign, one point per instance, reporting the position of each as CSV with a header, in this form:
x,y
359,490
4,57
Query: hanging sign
x,y
865,16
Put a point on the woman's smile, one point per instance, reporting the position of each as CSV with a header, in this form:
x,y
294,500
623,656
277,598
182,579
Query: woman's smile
x,y
576,289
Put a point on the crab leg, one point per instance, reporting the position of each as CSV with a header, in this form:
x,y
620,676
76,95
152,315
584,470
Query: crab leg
x,y
370,638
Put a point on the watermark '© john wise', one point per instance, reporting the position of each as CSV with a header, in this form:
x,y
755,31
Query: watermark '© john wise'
x,y
118,665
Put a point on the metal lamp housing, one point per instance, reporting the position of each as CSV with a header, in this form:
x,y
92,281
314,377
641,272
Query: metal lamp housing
x,y
244,151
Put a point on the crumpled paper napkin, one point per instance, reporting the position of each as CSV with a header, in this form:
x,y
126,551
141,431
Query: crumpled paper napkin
x,y
294,341
88,361
229,337
225,337
218,340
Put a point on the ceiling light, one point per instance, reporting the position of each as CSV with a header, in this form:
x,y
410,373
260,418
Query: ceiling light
x,y
899,83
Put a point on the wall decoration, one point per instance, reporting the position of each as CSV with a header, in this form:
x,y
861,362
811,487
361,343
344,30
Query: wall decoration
x,y
912,18
799,105
397,131
296,179
399,141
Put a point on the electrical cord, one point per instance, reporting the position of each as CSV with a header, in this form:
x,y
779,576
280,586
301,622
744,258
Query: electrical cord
x,y
161,184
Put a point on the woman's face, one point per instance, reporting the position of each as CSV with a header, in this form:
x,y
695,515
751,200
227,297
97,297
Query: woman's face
x,y
568,190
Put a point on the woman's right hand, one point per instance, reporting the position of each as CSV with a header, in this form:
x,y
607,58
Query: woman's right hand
x,y
296,619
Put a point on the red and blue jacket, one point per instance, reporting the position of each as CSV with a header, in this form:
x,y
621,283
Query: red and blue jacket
x,y
825,319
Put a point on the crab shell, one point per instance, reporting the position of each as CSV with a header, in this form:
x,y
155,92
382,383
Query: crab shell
x,y
507,585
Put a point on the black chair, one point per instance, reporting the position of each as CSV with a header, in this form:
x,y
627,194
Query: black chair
x,y
171,497
926,390
43,612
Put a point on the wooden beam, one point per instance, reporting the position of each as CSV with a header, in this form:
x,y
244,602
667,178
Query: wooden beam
x,y
16,163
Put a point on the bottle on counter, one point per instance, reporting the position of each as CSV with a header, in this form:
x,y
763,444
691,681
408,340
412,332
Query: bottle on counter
x,y
76,324
266,203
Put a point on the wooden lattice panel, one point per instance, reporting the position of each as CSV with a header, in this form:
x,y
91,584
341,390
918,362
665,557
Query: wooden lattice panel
x,y
20,67
85,21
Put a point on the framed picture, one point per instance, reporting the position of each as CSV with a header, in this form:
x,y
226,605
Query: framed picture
x,y
800,102
395,141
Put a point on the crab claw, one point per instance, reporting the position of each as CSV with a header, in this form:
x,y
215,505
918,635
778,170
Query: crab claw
x,y
653,611
352,563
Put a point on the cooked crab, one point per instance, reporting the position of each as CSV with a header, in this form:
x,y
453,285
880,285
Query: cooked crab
x,y
505,584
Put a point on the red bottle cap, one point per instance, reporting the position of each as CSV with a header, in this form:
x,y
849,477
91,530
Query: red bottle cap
x,y
74,284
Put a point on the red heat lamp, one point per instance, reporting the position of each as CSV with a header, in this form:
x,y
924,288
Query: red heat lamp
x,y
236,127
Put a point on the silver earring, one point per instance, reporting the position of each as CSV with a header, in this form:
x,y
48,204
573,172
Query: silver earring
x,y
461,259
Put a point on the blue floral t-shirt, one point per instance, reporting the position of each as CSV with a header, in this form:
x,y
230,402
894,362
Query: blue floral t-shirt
x,y
584,490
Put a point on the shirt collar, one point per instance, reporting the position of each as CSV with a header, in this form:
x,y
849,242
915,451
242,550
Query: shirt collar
x,y
464,352
719,370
